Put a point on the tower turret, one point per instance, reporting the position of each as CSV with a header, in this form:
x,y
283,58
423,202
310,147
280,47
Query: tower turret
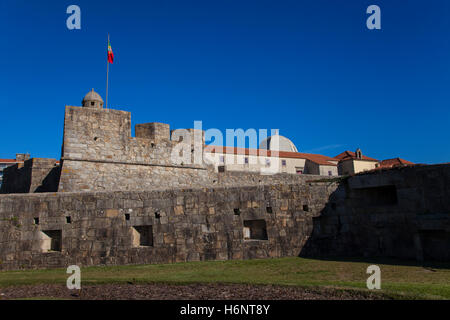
x,y
92,100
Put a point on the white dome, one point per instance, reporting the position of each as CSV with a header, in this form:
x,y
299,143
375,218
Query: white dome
x,y
278,143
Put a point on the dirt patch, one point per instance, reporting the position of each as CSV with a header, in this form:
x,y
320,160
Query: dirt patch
x,y
184,292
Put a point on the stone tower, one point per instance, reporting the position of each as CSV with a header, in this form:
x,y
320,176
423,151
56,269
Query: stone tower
x,y
92,100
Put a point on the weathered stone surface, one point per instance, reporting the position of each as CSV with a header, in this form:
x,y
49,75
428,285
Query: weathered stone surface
x,y
403,213
192,225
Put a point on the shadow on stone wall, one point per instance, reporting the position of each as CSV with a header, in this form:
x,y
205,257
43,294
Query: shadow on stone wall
x,y
34,175
51,181
390,215
16,179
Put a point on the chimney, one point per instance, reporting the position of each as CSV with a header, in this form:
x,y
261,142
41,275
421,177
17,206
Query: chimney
x,y
22,157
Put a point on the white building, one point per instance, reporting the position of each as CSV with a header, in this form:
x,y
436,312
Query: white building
x,y
276,154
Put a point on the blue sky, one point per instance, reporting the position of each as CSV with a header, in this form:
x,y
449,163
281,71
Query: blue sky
x,y
309,68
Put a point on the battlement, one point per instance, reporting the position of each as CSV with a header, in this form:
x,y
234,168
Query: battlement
x,y
99,153
154,131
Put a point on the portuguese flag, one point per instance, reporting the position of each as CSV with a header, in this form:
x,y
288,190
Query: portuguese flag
x,y
110,53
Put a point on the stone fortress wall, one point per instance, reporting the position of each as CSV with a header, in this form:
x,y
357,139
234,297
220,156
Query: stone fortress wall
x,y
402,213
33,175
161,226
100,154
125,200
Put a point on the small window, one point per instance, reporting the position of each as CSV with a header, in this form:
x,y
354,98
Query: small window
x,y
68,219
255,230
92,103
298,170
157,215
51,240
143,236
267,162
269,209
222,159
283,163
305,207
36,220
246,160
127,216
330,173
237,212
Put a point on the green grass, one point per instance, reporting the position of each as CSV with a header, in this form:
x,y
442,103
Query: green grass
x,y
398,279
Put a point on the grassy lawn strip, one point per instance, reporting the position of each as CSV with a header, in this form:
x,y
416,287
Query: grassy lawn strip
x,y
398,279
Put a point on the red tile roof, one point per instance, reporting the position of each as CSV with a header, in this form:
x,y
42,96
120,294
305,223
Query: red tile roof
x,y
15,161
316,158
389,163
351,155
8,160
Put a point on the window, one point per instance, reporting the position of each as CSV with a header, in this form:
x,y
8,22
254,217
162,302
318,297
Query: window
x,y
142,236
51,240
330,173
267,162
222,159
299,170
246,160
283,163
255,230
92,103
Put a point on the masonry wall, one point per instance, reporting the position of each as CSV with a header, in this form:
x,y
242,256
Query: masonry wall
x,y
400,212
98,150
100,154
34,175
93,228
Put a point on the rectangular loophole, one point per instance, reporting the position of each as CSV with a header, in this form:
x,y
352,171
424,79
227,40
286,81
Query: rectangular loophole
x,y
68,219
237,212
143,236
36,220
255,230
127,216
269,209
305,207
51,240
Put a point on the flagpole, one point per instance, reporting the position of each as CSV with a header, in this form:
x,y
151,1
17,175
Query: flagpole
x,y
107,75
